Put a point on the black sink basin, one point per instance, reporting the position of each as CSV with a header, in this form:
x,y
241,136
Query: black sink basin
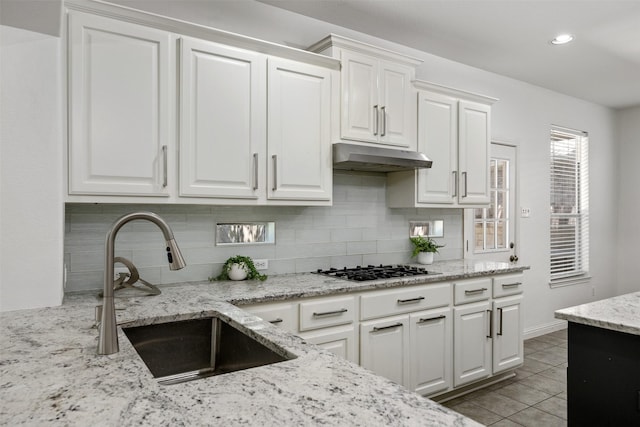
x,y
187,350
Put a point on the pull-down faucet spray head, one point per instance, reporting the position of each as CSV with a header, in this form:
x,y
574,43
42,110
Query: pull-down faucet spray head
x,y
108,339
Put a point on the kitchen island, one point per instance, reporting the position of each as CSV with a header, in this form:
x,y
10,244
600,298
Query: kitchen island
x,y
50,373
603,377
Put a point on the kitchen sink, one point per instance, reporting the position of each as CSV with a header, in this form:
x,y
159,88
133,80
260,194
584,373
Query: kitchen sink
x,y
187,350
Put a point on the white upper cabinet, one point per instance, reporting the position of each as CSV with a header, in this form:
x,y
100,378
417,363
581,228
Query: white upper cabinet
x,y
299,160
454,131
119,108
222,121
377,99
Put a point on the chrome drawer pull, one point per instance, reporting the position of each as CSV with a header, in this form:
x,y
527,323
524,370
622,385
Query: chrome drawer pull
x,y
431,318
382,328
500,330
475,291
278,320
511,285
410,300
330,313
164,166
375,111
490,323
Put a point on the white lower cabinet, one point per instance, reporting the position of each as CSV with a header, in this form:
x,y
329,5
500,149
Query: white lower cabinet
x,y
340,340
431,346
471,343
507,337
283,315
384,347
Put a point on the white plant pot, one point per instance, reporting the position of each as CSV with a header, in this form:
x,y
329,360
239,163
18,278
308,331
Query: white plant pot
x,y
237,272
425,257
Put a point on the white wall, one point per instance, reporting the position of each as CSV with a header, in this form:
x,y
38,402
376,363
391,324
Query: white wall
x,y
628,208
523,116
31,147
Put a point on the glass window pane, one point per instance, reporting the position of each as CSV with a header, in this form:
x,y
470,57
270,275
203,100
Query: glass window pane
x,y
491,210
477,213
501,209
491,228
502,235
502,172
479,233
492,183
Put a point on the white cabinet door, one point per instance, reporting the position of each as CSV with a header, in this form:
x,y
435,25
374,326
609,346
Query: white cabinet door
x,y
222,121
119,117
397,106
471,343
341,341
507,335
384,347
431,351
438,138
298,143
360,109
474,132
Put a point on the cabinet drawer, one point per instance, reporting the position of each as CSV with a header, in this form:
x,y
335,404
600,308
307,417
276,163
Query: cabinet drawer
x,y
472,290
282,315
404,300
509,284
326,312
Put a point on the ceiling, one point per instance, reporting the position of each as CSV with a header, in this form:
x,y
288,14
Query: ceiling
x,y
510,37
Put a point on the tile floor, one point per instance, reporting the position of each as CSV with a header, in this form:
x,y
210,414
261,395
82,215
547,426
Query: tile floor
x,y
536,397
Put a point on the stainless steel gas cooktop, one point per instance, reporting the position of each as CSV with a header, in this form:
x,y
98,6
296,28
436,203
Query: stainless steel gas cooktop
x,y
372,272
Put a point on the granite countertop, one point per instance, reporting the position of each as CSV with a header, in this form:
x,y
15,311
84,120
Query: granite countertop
x,y
621,313
50,373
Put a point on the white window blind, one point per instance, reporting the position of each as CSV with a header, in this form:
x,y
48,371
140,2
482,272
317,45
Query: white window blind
x,y
569,237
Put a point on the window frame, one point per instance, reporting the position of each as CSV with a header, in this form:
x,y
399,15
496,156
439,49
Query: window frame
x,y
568,190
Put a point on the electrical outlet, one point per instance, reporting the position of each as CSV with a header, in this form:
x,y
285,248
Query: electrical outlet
x,y
525,212
261,264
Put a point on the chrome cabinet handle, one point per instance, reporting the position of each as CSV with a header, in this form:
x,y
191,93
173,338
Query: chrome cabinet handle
x,y
255,171
500,327
490,323
375,112
164,167
382,328
475,291
511,285
410,300
330,313
384,121
455,184
431,319
275,172
464,174
278,320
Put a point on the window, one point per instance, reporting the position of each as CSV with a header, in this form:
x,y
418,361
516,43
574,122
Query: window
x,y
569,237
491,225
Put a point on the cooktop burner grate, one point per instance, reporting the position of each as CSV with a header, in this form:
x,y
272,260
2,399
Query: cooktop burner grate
x,y
372,272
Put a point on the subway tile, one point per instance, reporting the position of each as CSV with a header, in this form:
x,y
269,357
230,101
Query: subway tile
x,y
346,234
329,249
365,247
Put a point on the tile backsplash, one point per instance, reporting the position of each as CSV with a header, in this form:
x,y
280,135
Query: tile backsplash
x,y
359,229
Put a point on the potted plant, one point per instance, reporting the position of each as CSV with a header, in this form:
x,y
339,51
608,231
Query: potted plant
x,y
424,248
239,268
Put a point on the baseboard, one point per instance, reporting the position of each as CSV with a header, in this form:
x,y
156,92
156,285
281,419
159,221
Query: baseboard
x,y
538,330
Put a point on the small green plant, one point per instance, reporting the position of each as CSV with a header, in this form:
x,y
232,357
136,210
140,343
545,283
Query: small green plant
x,y
252,272
424,244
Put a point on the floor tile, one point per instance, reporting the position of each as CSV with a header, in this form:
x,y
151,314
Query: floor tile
x,y
562,395
562,333
556,373
501,405
534,366
477,413
506,422
532,417
523,393
551,339
533,345
551,356
544,384
554,406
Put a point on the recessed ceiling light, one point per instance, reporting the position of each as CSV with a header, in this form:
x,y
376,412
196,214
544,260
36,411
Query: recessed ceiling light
x,y
562,39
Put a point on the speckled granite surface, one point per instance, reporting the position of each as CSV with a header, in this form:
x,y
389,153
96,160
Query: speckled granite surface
x,y
50,373
621,313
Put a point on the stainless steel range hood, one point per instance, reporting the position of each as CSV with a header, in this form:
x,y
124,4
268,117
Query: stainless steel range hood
x,y
376,159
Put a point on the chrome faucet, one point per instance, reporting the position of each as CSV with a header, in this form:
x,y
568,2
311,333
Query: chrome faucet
x,y
108,338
